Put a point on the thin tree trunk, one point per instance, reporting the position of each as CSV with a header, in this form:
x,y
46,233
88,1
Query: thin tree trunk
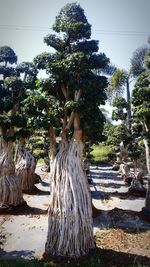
x,y
129,105
52,148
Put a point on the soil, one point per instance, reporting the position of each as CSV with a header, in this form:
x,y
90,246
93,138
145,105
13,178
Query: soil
x,y
121,229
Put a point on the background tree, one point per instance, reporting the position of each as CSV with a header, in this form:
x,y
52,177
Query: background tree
x,y
11,93
45,114
121,79
78,92
25,161
141,103
121,107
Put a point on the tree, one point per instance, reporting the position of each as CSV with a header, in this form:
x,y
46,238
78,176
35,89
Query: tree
x,y
122,79
141,103
120,111
25,161
137,61
78,91
7,55
11,93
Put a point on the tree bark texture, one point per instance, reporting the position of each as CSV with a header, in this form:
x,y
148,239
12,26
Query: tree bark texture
x,y
10,187
129,104
25,169
147,149
70,232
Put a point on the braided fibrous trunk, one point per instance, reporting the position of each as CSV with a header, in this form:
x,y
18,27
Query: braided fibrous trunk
x,y
70,232
140,171
25,169
10,187
147,200
136,185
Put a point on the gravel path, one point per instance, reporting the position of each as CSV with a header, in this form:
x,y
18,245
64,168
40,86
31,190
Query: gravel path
x,y
23,234
110,195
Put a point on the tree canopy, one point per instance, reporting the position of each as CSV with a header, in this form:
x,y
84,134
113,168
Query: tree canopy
x,y
72,80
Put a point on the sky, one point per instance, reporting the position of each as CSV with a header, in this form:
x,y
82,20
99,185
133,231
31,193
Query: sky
x,y
121,26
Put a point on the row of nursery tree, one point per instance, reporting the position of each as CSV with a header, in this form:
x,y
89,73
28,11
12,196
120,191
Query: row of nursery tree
x,y
64,109
130,139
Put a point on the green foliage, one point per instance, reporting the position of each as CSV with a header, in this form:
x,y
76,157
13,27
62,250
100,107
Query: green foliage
x,y
119,102
141,91
147,59
141,95
135,154
101,153
41,60
27,68
71,105
43,110
117,83
7,55
121,106
72,21
72,68
137,61
39,144
137,128
14,89
115,134
7,71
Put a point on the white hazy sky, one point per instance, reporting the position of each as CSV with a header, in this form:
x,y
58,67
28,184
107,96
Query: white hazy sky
x,y
121,26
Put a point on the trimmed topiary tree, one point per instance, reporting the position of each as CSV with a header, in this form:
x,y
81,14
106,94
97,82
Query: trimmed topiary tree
x,y
11,93
25,161
141,102
78,91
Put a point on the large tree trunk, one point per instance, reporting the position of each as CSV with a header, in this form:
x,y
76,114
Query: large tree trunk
x,y
147,149
147,152
25,167
147,201
10,187
70,232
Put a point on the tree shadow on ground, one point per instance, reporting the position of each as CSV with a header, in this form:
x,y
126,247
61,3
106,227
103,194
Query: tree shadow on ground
x,y
44,183
102,195
101,258
17,254
113,185
121,259
24,209
36,191
118,215
114,178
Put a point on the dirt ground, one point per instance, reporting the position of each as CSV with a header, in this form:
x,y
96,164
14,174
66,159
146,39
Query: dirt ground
x,y
122,232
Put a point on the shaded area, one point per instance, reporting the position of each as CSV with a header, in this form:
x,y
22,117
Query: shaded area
x,y
25,254
22,210
120,259
37,191
128,219
99,194
101,258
